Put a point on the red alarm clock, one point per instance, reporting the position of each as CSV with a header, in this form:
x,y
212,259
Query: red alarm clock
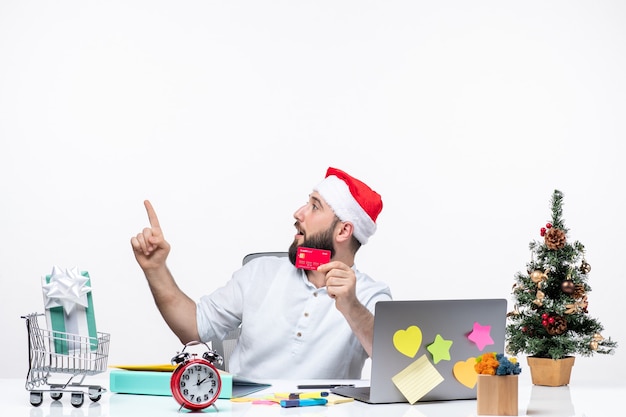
x,y
196,382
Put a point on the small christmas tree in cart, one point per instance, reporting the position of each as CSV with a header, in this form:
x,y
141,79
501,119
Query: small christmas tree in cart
x,y
551,321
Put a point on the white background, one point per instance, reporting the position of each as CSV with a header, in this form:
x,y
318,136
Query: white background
x,y
464,115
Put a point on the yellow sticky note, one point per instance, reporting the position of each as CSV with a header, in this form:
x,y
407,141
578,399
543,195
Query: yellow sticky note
x,y
417,379
408,341
159,367
337,399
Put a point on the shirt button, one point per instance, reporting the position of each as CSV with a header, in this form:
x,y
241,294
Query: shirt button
x,y
314,294
299,334
306,314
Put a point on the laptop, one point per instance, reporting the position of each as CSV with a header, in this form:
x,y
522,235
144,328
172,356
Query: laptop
x,y
412,337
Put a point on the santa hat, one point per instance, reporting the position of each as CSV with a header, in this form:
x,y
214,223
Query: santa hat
x,y
352,201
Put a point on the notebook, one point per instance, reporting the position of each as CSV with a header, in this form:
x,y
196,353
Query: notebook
x,y
425,350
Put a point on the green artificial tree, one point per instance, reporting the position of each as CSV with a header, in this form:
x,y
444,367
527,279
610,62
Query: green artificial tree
x,y
551,315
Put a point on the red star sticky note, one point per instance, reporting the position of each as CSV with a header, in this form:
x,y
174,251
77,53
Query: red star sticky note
x,y
481,336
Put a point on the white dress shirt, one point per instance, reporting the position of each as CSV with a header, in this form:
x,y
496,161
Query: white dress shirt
x,y
290,329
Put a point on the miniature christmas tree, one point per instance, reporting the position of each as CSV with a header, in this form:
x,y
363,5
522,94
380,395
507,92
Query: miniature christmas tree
x,y
551,315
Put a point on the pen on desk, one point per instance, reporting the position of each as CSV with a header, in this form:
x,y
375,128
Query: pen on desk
x,y
298,395
305,402
323,386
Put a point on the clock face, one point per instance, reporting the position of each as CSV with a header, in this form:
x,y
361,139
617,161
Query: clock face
x,y
196,385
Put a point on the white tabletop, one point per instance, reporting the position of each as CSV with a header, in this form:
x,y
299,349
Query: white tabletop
x,y
576,400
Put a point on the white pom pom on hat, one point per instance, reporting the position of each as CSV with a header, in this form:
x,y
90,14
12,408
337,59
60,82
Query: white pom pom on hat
x,y
352,201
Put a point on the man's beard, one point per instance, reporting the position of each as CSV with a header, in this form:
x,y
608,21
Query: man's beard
x,y
322,240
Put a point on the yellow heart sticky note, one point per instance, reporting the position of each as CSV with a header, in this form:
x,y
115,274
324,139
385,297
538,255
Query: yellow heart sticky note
x,y
465,373
408,341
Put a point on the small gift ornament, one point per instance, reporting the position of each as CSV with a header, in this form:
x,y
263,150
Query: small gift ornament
x,y
496,392
69,309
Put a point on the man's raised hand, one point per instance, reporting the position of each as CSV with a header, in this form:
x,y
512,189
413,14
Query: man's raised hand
x,y
149,246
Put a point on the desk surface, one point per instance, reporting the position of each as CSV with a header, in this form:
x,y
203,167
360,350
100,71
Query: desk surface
x,y
575,400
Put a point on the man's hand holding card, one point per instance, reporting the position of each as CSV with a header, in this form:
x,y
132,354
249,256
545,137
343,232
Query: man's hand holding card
x,y
309,258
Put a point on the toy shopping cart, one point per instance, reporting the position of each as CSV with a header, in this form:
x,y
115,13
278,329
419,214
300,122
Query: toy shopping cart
x,y
52,352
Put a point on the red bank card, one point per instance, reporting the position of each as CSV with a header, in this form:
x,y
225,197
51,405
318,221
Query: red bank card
x,y
307,258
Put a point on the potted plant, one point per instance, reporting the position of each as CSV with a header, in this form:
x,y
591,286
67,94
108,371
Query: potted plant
x,y
496,392
550,321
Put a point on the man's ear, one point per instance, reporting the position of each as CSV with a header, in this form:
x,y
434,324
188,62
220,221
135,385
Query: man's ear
x,y
345,231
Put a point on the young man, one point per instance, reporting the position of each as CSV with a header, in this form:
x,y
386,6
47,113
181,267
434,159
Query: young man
x,y
295,323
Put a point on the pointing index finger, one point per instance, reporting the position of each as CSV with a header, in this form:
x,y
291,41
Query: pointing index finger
x,y
152,217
